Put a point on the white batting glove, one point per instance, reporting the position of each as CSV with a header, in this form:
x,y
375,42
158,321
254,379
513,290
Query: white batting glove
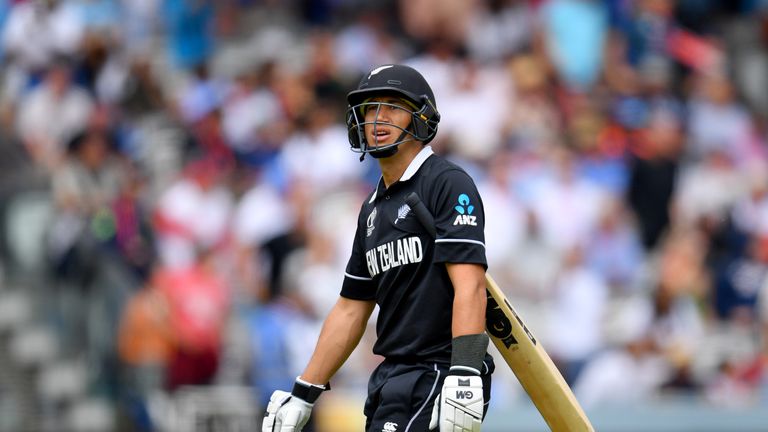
x,y
286,413
459,406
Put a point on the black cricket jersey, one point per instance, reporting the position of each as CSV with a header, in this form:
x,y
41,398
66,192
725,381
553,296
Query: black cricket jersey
x,y
396,262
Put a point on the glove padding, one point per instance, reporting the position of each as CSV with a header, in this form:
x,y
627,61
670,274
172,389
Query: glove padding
x,y
459,406
286,413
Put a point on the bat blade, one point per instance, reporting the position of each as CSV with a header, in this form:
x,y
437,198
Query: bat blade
x,y
532,365
523,353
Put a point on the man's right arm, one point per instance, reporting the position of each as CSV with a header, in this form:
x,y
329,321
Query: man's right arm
x,y
342,331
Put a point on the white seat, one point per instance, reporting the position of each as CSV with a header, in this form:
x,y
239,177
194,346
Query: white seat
x,y
231,407
90,415
62,381
33,346
15,310
28,216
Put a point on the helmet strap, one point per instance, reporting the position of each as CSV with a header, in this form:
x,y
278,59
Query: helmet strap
x,y
387,152
378,154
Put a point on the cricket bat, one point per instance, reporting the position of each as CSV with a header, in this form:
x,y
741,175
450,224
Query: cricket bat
x,y
523,353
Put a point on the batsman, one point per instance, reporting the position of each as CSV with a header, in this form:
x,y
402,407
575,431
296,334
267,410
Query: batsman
x,y
431,291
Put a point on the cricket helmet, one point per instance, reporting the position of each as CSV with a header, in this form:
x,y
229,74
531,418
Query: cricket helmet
x,y
403,82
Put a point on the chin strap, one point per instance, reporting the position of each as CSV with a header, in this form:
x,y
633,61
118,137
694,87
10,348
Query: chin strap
x,y
378,154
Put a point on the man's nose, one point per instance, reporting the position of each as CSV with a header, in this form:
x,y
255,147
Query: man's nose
x,y
382,113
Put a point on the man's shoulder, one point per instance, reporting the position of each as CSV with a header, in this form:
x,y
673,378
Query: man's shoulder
x,y
437,167
437,164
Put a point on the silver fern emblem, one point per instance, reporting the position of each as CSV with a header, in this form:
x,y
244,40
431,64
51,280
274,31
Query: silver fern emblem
x,y
402,212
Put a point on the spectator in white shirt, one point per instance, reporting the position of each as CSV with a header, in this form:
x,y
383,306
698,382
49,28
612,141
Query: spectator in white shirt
x,y
39,30
193,214
567,206
576,323
51,114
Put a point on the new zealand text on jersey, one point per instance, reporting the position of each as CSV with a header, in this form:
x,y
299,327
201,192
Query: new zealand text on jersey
x,y
393,254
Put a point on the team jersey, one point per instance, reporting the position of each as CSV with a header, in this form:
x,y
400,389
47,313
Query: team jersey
x,y
396,262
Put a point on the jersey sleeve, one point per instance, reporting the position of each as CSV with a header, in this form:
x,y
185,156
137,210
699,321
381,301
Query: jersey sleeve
x,y
358,283
459,219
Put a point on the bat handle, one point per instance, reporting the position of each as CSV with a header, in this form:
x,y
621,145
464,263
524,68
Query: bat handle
x,y
421,212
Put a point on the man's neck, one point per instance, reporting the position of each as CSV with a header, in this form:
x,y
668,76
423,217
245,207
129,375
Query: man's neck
x,y
393,167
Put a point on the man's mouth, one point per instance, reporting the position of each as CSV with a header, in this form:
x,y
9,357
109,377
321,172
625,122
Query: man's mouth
x,y
381,136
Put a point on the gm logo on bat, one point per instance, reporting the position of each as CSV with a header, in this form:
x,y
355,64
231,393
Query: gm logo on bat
x,y
498,324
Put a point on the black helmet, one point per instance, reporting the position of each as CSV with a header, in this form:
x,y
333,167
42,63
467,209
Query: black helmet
x,y
401,81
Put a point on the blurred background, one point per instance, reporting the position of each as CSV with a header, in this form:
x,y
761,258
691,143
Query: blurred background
x,y
178,200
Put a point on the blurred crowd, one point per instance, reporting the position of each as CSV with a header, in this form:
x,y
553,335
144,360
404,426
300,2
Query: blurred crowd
x,y
201,196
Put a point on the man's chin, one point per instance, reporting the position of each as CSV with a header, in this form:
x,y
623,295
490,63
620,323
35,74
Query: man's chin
x,y
381,143
383,153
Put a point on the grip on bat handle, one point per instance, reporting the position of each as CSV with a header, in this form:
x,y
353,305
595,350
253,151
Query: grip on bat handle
x,y
421,212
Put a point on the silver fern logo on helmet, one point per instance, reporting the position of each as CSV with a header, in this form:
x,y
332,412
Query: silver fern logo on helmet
x,y
377,70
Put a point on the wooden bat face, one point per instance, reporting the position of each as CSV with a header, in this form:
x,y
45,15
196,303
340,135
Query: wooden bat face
x,y
532,365
499,325
524,355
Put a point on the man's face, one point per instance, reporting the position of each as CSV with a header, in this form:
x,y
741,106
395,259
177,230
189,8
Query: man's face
x,y
391,118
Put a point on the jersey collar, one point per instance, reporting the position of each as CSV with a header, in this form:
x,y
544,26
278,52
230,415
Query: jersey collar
x,y
409,172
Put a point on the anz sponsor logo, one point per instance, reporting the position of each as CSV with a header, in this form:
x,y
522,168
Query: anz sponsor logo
x,y
394,254
465,209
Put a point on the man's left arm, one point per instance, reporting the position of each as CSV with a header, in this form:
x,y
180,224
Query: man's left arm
x,y
469,298
459,407
460,244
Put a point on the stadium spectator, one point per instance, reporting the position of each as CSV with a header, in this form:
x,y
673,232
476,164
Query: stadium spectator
x,y
578,309
55,98
197,302
192,214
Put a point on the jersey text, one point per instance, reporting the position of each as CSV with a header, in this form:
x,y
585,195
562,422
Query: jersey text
x,y
393,254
